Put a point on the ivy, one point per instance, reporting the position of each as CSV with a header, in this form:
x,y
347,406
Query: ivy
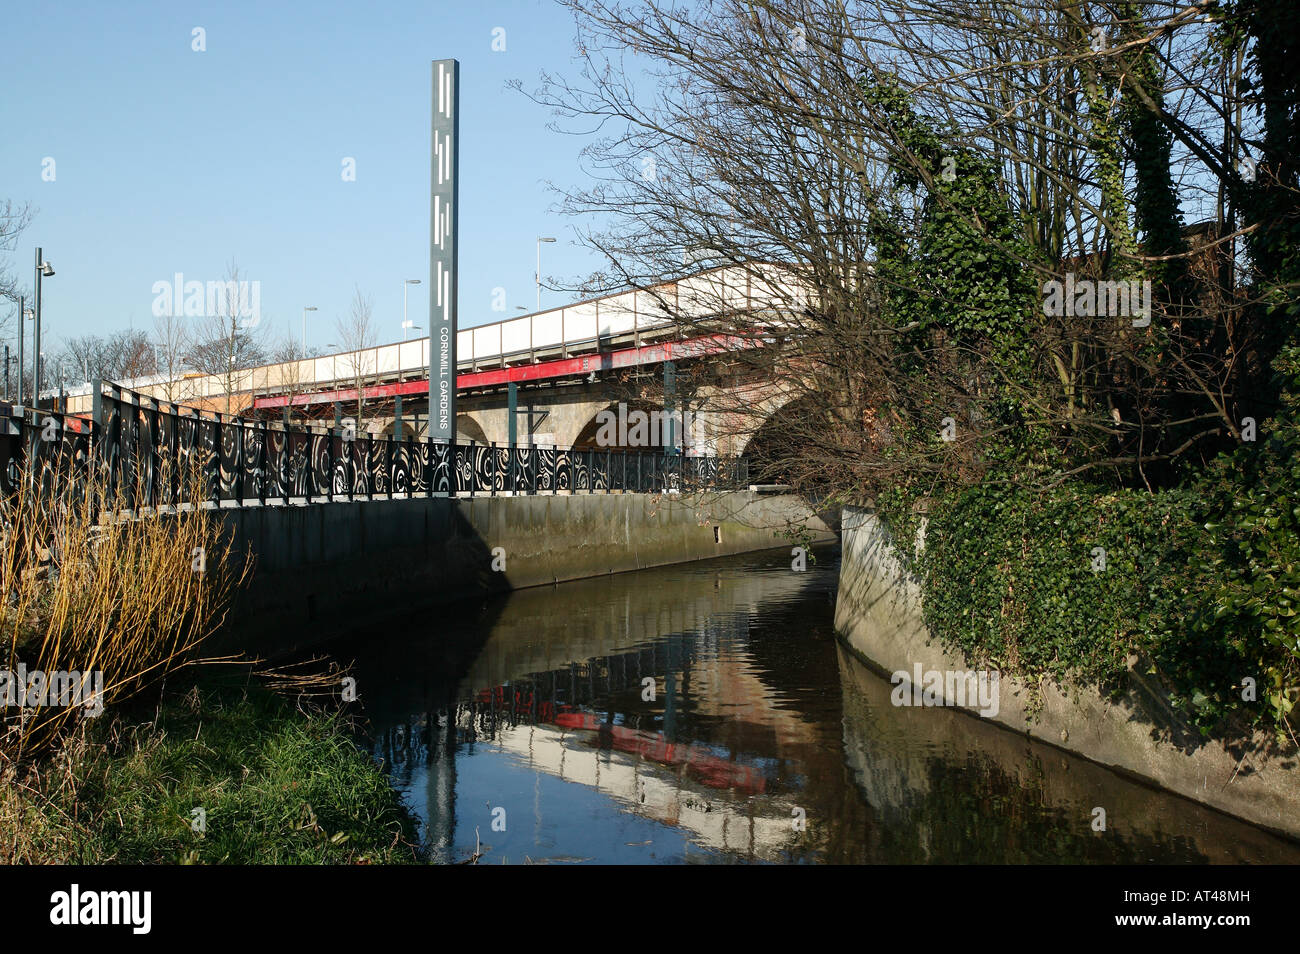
x,y
1201,584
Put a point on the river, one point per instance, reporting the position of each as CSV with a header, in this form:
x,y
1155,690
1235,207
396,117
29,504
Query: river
x,y
706,713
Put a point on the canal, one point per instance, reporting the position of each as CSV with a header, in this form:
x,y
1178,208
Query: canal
x,y
705,713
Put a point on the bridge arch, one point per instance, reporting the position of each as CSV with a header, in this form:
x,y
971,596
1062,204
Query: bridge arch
x,y
468,428
766,444
627,424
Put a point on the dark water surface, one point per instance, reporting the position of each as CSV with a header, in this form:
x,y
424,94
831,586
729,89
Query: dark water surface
x,y
532,712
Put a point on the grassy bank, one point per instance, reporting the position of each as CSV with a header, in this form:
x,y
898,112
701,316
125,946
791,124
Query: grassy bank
x,y
277,786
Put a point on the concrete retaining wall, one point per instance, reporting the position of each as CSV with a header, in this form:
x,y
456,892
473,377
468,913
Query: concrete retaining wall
x,y
878,615
322,570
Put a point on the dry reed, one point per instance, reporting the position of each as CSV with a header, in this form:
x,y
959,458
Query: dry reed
x,y
88,586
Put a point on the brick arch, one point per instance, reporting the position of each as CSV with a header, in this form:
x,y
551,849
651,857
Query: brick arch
x,y
586,436
468,428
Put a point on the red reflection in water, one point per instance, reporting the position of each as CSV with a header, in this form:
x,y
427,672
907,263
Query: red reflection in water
x,y
700,763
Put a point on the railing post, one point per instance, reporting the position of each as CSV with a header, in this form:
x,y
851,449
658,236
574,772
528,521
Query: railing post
x,y
510,467
329,458
469,459
217,426
175,456
196,441
350,471
495,466
130,437
262,464
286,460
368,477
309,474
451,467
239,463
409,444
98,444
155,454
536,466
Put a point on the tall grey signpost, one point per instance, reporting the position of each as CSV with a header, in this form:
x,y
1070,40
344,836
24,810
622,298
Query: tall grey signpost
x,y
444,212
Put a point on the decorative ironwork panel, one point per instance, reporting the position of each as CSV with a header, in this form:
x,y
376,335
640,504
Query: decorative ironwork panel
x,y
146,448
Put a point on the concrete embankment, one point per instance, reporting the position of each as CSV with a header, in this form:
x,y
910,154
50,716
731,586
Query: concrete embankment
x,y
323,570
878,615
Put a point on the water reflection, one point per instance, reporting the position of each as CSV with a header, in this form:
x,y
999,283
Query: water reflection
x,y
705,713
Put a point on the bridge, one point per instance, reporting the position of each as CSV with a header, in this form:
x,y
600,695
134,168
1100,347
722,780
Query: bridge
x,y
334,511
535,380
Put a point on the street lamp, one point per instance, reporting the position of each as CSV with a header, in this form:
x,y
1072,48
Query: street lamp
x,y
306,308
406,285
9,359
43,270
23,312
538,276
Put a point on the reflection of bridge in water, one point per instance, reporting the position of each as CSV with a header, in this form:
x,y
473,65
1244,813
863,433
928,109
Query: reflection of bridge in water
x,y
534,704
588,723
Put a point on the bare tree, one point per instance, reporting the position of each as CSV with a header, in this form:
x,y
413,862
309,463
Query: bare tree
x,y
171,345
841,145
289,356
13,220
120,356
229,339
357,333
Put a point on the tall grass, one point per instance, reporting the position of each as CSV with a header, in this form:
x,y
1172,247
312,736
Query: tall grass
x,y
88,586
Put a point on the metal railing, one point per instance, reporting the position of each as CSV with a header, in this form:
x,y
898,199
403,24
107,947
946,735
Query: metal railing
x,y
146,445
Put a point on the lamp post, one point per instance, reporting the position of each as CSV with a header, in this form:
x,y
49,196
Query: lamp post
x,y
306,308
406,285
22,337
538,276
43,270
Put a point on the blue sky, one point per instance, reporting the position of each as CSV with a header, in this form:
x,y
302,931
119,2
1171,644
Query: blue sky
x,y
170,160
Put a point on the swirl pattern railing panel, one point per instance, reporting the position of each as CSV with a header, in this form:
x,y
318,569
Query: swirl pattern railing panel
x,y
145,447
55,448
